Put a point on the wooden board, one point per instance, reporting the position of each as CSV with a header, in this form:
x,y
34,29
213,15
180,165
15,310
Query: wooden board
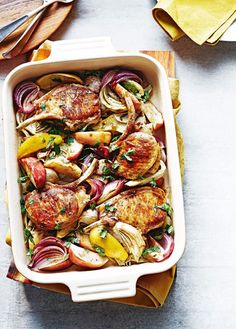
x,y
166,58
50,22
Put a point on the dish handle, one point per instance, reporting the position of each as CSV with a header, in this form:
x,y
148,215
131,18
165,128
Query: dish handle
x,y
86,288
81,48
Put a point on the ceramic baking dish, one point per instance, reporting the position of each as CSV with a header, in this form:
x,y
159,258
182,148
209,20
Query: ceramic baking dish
x,y
73,55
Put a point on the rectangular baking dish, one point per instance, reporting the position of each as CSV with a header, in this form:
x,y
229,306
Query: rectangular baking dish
x,y
91,54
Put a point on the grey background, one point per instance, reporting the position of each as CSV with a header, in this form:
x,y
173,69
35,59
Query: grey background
x,y
203,295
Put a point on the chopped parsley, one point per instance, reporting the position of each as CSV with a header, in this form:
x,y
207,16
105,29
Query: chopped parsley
x,y
93,205
57,149
165,207
50,142
115,165
28,235
113,148
22,179
103,233
106,173
126,156
22,206
63,210
169,229
99,250
31,201
153,183
43,106
58,226
30,253
151,250
147,94
96,144
109,207
114,139
70,140
56,130
71,239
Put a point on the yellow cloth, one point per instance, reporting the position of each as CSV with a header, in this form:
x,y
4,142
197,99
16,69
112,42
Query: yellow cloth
x,y
153,289
201,20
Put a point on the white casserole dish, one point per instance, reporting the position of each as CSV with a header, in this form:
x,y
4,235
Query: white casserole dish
x,y
73,55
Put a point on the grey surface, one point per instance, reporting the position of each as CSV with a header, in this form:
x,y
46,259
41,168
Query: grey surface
x,y
203,295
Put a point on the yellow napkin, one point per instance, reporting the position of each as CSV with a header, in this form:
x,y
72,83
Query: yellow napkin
x,y
153,289
201,20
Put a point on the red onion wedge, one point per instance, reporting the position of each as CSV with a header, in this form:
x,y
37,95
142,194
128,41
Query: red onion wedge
x,y
96,189
111,189
159,250
50,254
25,94
116,76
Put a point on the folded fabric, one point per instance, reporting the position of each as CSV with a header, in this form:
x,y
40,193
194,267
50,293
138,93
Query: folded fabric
x,y
153,289
201,20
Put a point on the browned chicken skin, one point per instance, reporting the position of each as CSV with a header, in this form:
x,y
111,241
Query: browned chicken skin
x,y
137,154
73,103
136,207
56,207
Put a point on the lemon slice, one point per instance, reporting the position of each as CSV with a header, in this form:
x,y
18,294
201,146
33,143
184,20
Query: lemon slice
x,y
49,81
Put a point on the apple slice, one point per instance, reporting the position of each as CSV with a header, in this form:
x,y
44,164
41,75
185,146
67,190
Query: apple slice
x,y
35,171
74,150
93,137
86,258
84,241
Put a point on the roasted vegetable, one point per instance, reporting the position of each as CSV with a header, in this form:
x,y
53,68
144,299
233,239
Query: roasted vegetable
x,y
36,143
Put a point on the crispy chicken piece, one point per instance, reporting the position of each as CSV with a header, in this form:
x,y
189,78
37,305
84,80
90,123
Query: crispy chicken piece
x,y
137,154
56,207
73,103
137,207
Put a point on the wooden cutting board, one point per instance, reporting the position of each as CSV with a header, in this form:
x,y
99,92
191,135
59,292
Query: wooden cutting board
x,y
50,22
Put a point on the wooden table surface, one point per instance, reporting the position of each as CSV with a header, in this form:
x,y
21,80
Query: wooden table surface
x,y
203,295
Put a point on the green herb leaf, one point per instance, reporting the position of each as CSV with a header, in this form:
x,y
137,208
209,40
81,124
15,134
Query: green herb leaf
x,y
169,229
50,142
71,239
93,205
147,94
58,226
126,156
115,165
114,139
43,106
165,207
151,250
22,179
99,250
28,235
31,201
106,173
63,210
140,177
113,148
30,253
70,140
57,149
56,130
103,233
153,183
109,208
96,144
22,206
